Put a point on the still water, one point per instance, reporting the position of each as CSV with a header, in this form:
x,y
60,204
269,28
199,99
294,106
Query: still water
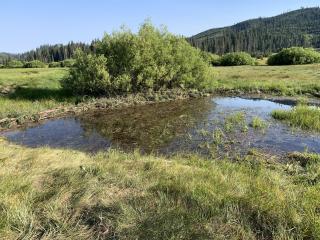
x,y
187,125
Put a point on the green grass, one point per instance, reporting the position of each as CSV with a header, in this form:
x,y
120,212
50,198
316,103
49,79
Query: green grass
x,y
279,80
60,194
301,116
29,91
258,123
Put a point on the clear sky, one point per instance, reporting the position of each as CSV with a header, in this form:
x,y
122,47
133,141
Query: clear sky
x,y
27,24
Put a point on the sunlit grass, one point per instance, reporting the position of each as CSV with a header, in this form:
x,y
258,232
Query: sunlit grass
x,y
279,80
258,123
24,92
52,194
304,117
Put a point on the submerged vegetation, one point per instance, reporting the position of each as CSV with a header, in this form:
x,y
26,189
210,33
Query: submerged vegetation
x,y
304,117
50,193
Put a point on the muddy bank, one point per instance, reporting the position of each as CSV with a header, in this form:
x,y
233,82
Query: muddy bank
x,y
92,104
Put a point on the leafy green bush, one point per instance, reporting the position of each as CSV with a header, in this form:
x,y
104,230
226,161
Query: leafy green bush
x,y
1,66
212,59
88,75
295,55
67,63
14,64
151,59
237,59
54,64
35,64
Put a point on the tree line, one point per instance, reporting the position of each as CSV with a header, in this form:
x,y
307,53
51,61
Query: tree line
x,y
264,36
49,53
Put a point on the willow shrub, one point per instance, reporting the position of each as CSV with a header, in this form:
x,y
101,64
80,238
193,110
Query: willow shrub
x,y
237,59
294,56
14,64
151,59
35,64
88,75
211,58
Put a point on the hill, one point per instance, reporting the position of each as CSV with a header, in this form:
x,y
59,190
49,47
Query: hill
x,y
264,35
4,57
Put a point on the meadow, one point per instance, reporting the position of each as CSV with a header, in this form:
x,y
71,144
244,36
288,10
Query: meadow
x,y
291,80
29,91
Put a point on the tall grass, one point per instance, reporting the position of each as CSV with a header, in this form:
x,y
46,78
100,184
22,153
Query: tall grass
x,y
301,116
276,80
59,194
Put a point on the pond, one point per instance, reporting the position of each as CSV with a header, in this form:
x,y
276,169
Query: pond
x,y
220,125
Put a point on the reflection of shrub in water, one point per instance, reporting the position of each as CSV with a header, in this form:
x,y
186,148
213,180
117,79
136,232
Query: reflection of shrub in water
x,y
148,127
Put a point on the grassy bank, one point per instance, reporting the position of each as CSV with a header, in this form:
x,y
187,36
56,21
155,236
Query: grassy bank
x,y
278,80
26,92
29,91
48,194
301,116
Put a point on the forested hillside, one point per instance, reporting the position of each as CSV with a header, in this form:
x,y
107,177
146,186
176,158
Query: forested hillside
x,y
264,35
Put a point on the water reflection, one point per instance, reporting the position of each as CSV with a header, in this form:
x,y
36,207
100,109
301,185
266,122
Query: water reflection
x,y
149,128
169,127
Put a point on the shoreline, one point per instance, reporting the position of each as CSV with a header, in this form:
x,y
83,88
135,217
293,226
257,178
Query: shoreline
x,y
119,102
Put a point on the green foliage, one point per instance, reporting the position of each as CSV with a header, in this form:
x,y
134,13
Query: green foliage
x,y
88,75
1,66
35,64
263,36
54,64
236,59
301,116
211,58
14,64
151,59
294,56
67,63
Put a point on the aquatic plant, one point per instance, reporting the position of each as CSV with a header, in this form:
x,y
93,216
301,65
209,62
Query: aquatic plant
x,y
304,117
258,123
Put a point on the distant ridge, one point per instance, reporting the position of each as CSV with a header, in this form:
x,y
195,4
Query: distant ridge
x,y
264,35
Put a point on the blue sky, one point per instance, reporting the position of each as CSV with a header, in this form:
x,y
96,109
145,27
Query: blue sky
x,y
27,24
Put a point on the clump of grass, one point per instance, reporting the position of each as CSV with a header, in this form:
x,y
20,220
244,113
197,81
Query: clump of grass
x,y
234,121
258,123
52,194
304,117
